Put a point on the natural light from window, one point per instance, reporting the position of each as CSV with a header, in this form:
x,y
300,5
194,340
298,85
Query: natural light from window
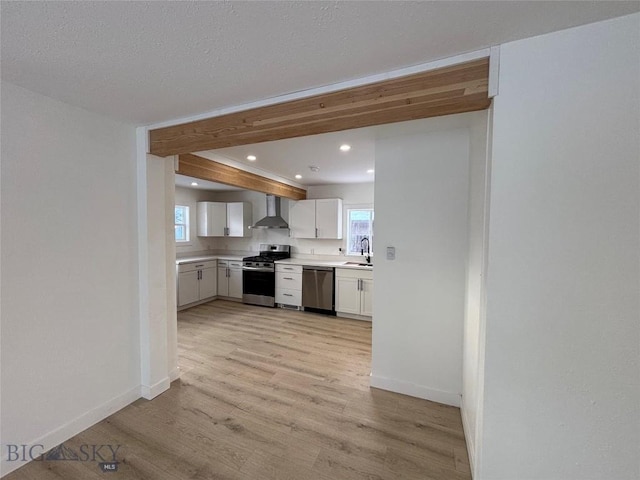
x,y
182,223
359,225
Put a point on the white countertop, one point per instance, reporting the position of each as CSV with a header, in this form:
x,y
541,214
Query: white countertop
x,y
290,261
204,258
321,263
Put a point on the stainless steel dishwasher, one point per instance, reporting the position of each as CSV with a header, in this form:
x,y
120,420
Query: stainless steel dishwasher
x,y
317,288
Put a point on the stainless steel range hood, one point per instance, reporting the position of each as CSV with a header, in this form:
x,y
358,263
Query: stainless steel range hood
x,y
273,218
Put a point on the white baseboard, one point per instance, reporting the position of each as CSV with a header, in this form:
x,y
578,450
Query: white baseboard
x,y
420,391
207,300
471,447
75,426
175,374
353,317
152,391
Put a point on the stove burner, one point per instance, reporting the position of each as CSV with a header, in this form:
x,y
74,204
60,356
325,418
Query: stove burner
x,y
270,253
266,258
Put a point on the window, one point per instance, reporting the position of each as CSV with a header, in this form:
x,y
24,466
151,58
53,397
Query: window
x,y
359,226
182,223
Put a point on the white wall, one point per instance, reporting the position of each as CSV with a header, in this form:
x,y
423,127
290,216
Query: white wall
x,y
561,391
158,318
421,194
170,274
190,197
474,302
70,338
359,194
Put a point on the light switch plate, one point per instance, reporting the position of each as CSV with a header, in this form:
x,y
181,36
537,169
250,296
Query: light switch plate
x,y
391,253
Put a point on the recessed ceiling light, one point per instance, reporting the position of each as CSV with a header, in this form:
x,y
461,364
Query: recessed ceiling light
x,y
298,176
194,184
371,170
252,158
345,148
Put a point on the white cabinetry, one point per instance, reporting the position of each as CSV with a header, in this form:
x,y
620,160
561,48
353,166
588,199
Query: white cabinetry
x,y
212,219
302,219
230,278
235,280
354,292
329,218
223,278
219,219
289,284
319,218
366,296
196,282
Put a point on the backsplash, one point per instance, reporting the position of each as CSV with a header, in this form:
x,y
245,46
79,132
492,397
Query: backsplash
x,y
298,245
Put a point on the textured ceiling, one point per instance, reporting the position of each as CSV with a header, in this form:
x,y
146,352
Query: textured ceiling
x,y
146,62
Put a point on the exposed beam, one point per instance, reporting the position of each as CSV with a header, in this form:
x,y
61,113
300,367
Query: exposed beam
x,y
199,167
444,91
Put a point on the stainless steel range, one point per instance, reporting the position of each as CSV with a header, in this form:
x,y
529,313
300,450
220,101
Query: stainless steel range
x,y
259,275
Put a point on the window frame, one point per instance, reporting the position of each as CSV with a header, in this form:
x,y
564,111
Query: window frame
x,y
185,225
350,209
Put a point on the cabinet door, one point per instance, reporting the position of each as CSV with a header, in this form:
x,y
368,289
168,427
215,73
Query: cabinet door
x,y
223,282
329,218
302,219
208,283
235,283
366,297
235,219
188,288
212,219
347,295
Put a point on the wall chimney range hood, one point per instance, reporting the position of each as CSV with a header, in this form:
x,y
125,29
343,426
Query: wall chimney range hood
x,y
273,218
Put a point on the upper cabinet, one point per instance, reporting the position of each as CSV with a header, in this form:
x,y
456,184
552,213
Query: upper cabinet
x,y
239,219
302,219
212,219
220,219
319,218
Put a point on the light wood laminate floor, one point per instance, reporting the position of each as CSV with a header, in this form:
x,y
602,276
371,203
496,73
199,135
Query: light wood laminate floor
x,y
272,394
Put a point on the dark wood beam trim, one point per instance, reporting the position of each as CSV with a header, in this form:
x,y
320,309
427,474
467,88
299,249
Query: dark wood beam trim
x,y
199,167
444,91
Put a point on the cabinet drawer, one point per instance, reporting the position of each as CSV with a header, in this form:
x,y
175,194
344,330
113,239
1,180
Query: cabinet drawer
x,y
235,264
354,273
190,267
223,263
288,268
291,281
289,297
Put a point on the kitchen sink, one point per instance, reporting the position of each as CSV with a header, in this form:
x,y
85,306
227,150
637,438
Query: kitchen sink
x,y
359,264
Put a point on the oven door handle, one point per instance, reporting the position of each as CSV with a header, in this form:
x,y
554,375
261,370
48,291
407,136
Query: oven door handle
x,y
257,269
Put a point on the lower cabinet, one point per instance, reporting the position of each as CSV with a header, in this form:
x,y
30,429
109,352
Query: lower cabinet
x,y
196,282
354,292
230,278
235,280
366,297
289,285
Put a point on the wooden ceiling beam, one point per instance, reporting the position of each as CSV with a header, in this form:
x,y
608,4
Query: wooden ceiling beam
x,y
444,91
205,169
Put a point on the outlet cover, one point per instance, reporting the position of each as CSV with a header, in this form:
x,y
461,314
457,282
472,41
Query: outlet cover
x,y
391,253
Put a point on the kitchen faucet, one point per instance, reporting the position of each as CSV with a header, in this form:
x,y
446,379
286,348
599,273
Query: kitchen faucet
x,y
368,257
